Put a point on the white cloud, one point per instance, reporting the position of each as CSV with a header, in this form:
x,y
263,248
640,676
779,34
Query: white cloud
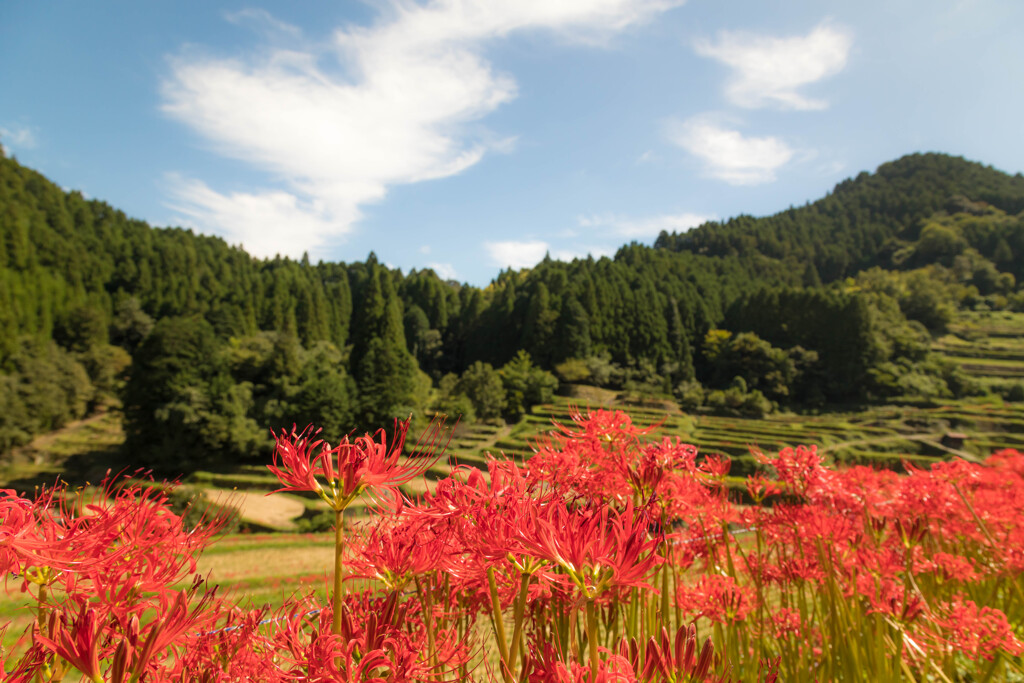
x,y
267,223
646,226
527,254
517,254
771,70
17,136
379,106
444,270
727,154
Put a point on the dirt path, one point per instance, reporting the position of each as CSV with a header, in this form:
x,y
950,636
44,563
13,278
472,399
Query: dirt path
x,y
276,512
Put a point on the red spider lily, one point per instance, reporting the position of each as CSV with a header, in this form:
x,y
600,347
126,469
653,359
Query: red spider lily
x,y
546,667
17,522
596,459
80,645
380,639
949,567
26,668
978,631
718,598
48,535
666,659
128,543
658,460
716,467
349,469
785,622
396,551
302,462
481,519
599,549
888,554
603,424
172,623
236,651
759,487
605,462
798,469
150,551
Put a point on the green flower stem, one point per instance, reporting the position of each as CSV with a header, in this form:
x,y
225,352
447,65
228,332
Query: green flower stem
x,y
428,605
517,633
339,548
41,599
499,626
592,638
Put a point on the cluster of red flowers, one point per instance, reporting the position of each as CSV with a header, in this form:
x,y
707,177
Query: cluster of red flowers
x,y
102,571
601,559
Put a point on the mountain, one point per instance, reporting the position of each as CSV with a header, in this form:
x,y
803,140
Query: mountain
x,y
208,347
864,221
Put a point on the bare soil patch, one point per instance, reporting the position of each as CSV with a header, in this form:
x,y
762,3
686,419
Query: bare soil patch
x,y
275,511
267,562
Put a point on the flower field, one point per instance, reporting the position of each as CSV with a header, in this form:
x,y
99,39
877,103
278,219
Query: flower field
x,y
612,554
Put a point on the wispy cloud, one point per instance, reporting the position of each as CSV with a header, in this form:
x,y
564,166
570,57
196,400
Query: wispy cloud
x,y
264,22
378,106
770,71
17,136
515,254
727,154
643,226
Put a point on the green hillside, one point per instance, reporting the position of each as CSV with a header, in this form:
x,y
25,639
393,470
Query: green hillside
x,y
205,348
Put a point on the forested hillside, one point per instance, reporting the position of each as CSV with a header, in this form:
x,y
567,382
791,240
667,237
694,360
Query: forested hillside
x,y
870,220
207,348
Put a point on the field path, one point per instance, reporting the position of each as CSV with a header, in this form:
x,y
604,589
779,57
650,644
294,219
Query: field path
x,y
275,512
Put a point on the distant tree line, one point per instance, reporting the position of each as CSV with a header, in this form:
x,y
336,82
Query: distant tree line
x,y
208,348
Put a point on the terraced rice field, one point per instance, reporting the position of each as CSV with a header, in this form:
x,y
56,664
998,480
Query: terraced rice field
x,y
884,436
986,344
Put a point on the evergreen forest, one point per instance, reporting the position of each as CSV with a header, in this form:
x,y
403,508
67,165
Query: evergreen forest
x,y
206,349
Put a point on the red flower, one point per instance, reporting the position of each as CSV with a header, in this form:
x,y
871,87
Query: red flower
x,y
719,598
670,659
303,462
395,551
80,645
978,631
599,549
545,666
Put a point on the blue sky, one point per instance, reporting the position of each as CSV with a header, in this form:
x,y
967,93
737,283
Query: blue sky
x,y
473,135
